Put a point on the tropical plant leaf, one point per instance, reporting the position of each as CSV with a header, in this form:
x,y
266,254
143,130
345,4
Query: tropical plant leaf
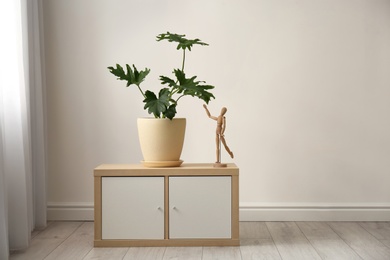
x,y
132,77
191,87
157,106
169,81
204,94
140,76
183,43
181,77
171,111
119,72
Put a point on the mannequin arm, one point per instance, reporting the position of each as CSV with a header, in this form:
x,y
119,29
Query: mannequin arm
x,y
208,113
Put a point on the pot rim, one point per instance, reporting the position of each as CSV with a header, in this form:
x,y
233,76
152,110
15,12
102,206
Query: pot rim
x,y
180,118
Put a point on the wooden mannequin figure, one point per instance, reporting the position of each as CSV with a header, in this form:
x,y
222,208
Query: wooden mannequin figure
x,y
220,137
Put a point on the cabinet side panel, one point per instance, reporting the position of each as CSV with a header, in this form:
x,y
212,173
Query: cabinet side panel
x,y
132,207
235,207
200,207
98,208
166,207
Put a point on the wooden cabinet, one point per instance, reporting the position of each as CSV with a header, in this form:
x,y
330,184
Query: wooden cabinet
x,y
191,205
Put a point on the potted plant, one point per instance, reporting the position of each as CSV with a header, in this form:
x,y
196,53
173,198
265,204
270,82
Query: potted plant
x,y
163,133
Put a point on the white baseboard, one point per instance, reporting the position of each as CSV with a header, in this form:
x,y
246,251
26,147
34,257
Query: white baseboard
x,y
255,212
314,212
70,211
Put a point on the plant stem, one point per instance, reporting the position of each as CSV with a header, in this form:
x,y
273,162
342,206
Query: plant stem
x,y
184,59
173,92
143,94
179,98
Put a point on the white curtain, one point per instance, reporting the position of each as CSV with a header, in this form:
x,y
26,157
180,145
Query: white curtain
x,y
22,124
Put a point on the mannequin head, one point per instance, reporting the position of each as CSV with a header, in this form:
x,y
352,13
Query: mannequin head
x,y
223,111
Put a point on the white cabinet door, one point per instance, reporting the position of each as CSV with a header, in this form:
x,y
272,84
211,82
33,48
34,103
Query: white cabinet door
x,y
132,207
200,207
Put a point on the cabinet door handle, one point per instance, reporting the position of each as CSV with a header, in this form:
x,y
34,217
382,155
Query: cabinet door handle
x,y
174,208
159,208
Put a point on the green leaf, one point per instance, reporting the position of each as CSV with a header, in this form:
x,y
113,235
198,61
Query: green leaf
x,y
169,81
183,43
181,77
132,77
191,87
163,96
118,71
204,94
157,106
171,111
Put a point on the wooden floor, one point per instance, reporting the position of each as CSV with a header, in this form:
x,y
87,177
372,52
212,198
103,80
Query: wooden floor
x,y
259,240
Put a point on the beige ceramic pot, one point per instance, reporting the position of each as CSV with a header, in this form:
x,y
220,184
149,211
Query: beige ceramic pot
x,y
161,141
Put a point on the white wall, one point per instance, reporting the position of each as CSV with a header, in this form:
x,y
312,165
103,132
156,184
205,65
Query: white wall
x,y
306,84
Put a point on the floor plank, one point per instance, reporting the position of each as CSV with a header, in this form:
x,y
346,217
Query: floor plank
x,y
112,253
185,253
39,249
259,249
47,240
365,244
256,242
386,242
36,231
76,246
145,253
59,230
380,230
290,241
327,243
221,253
254,230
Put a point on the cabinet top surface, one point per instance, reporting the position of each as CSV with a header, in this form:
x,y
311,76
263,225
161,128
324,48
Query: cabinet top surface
x,y
184,169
